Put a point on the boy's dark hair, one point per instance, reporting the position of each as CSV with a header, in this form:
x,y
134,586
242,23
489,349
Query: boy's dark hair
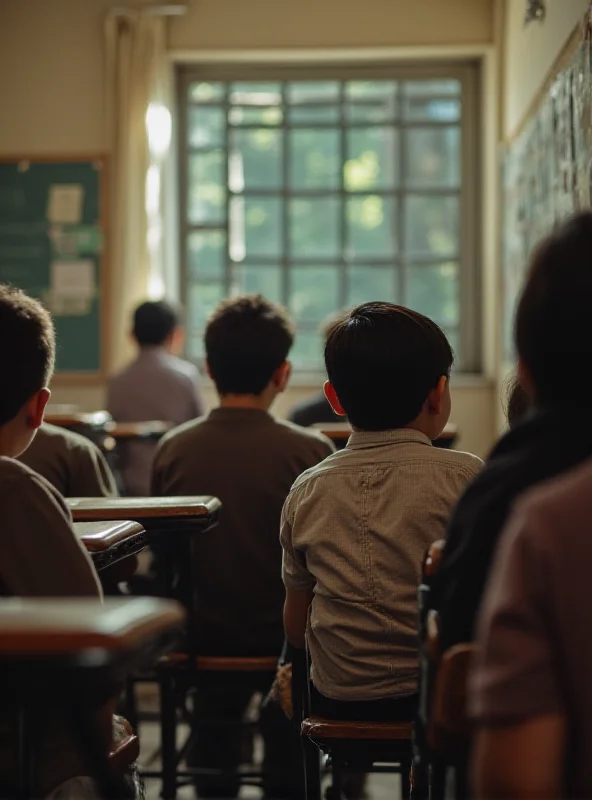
x,y
154,321
247,338
517,402
28,350
552,331
382,360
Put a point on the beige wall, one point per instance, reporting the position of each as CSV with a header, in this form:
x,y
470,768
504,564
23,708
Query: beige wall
x,y
52,103
531,51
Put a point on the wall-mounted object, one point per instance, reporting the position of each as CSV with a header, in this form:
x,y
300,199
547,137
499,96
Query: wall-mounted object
x,y
535,11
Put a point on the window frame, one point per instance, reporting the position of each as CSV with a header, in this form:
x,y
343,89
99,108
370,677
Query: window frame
x,y
466,71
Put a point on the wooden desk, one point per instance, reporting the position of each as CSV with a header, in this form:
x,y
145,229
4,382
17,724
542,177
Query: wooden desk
x,y
79,420
122,431
339,433
66,655
111,542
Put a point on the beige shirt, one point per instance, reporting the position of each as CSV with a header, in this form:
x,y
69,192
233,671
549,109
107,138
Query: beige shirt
x,y
355,530
71,463
40,556
249,460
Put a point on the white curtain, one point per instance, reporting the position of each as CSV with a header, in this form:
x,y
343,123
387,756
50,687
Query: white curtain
x,y
136,75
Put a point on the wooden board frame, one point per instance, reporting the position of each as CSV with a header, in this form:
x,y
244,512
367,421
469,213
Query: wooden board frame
x,y
88,378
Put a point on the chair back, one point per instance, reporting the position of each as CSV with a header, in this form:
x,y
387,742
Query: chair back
x,y
449,725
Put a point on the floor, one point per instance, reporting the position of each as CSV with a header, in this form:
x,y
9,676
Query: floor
x,y
379,787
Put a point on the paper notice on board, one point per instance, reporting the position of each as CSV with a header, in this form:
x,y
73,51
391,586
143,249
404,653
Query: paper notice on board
x,y
64,206
72,287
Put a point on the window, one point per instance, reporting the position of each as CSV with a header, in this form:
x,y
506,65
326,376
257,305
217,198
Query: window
x,y
330,190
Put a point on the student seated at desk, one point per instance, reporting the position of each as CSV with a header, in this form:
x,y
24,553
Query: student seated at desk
x,y
355,528
249,460
155,386
70,462
40,555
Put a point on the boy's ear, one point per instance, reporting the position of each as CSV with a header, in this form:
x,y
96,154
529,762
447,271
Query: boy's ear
x,y
282,375
36,408
208,370
435,396
525,379
331,396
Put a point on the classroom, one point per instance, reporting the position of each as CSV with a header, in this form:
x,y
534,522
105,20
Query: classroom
x,y
293,322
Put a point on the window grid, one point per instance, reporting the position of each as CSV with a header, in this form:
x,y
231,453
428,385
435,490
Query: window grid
x,y
397,262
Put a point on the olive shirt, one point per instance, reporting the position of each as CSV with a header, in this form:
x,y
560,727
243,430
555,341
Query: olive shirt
x,y
355,530
249,460
40,556
70,462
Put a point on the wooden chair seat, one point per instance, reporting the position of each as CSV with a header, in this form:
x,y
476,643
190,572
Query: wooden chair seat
x,y
319,729
223,663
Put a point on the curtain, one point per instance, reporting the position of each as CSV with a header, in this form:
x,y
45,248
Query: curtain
x,y
135,74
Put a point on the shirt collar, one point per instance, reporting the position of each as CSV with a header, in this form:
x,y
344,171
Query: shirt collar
x,y
240,414
362,439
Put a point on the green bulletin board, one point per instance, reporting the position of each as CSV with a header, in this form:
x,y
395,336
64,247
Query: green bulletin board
x,y
51,245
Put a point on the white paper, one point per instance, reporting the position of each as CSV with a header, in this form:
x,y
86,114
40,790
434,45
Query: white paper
x,y
65,203
74,279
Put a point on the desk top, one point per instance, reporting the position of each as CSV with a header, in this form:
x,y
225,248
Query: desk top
x,y
141,509
340,430
138,430
94,419
67,626
100,536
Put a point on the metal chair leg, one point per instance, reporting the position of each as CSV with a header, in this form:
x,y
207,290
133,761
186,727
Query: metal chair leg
x,y
336,778
168,736
312,769
406,768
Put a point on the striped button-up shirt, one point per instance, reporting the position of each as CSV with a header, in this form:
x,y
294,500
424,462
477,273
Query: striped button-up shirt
x,y
355,529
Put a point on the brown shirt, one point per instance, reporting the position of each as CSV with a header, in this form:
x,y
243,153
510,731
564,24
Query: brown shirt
x,y
71,463
249,460
40,556
536,620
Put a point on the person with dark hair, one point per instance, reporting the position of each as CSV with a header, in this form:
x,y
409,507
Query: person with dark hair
x,y
249,459
517,403
554,345
316,408
157,385
355,529
40,554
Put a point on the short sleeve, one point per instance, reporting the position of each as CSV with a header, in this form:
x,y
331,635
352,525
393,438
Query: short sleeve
x,y
294,571
40,555
514,676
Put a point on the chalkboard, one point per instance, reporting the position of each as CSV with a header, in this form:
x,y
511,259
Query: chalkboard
x,y
51,246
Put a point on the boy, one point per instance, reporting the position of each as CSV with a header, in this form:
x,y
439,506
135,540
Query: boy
x,y
70,462
40,555
248,459
355,528
155,386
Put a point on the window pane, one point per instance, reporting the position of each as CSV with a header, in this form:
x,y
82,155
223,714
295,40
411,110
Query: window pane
x,y
299,115
433,157
421,87
255,227
371,283
313,91
372,111
255,160
420,109
372,226
431,225
314,293
258,93
206,92
206,126
314,227
434,291
307,353
314,159
259,280
206,251
255,116
206,199
372,159
202,300
364,89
